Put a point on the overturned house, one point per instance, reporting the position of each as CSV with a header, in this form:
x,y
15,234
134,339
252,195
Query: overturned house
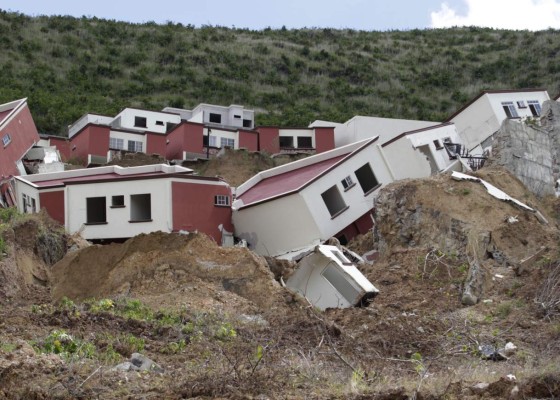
x,y
327,279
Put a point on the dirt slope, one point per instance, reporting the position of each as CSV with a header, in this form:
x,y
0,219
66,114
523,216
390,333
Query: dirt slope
x,y
220,326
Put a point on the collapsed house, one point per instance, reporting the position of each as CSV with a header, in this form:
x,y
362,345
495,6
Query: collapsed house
x,y
327,279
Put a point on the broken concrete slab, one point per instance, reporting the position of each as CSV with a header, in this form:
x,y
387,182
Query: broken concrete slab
x,y
492,190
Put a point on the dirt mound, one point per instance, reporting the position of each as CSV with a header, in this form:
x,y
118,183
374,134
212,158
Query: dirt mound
x,y
169,270
458,216
128,159
31,244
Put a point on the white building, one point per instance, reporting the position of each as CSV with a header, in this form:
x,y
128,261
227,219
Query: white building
x,y
361,128
114,203
481,118
234,116
301,204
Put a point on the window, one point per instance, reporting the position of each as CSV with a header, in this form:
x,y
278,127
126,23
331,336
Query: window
x,y
134,145
304,142
347,182
115,143
438,145
160,123
286,141
366,178
140,122
221,200
334,201
339,281
212,141
341,257
140,207
447,140
6,139
521,104
247,123
237,116
215,118
226,142
117,201
510,110
96,212
535,107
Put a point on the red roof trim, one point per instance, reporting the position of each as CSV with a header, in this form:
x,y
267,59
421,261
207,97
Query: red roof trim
x,y
415,131
491,92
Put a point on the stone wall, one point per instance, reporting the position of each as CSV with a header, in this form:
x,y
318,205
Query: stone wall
x,y
529,151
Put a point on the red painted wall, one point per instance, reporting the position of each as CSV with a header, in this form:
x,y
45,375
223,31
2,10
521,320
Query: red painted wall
x,y
156,144
360,226
53,202
194,209
62,145
324,139
268,139
248,140
187,136
93,139
24,134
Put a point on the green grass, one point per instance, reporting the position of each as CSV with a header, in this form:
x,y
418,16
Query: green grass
x,y
69,66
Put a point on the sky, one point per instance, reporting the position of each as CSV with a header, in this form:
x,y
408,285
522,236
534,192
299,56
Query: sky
x,y
371,15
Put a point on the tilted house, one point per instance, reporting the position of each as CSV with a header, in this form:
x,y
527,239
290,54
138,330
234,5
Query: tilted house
x,y
298,205
422,152
364,127
18,134
114,203
480,119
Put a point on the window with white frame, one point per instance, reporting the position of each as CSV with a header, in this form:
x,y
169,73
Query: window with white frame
x,y
227,142
212,140
510,110
6,139
140,122
134,145
116,143
535,107
221,200
347,182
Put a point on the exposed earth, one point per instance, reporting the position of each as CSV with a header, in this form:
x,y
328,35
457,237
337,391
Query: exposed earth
x,y
219,325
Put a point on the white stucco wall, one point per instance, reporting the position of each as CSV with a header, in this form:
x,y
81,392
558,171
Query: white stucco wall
x,y
129,136
354,197
406,159
21,189
278,226
118,225
485,116
127,119
219,133
360,128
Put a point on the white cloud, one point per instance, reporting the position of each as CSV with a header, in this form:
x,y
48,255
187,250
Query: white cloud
x,y
533,15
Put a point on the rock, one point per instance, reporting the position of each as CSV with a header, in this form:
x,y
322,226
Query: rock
x,y
510,349
144,363
480,387
126,366
473,285
489,352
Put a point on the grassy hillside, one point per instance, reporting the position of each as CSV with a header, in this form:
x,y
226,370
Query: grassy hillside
x,y
69,66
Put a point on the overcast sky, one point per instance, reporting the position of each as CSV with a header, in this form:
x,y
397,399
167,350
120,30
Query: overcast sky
x,y
377,15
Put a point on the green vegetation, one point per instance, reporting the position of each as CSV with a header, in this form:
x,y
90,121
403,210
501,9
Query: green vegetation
x,y
68,66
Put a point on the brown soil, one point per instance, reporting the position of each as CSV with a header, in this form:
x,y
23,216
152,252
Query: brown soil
x,y
414,339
